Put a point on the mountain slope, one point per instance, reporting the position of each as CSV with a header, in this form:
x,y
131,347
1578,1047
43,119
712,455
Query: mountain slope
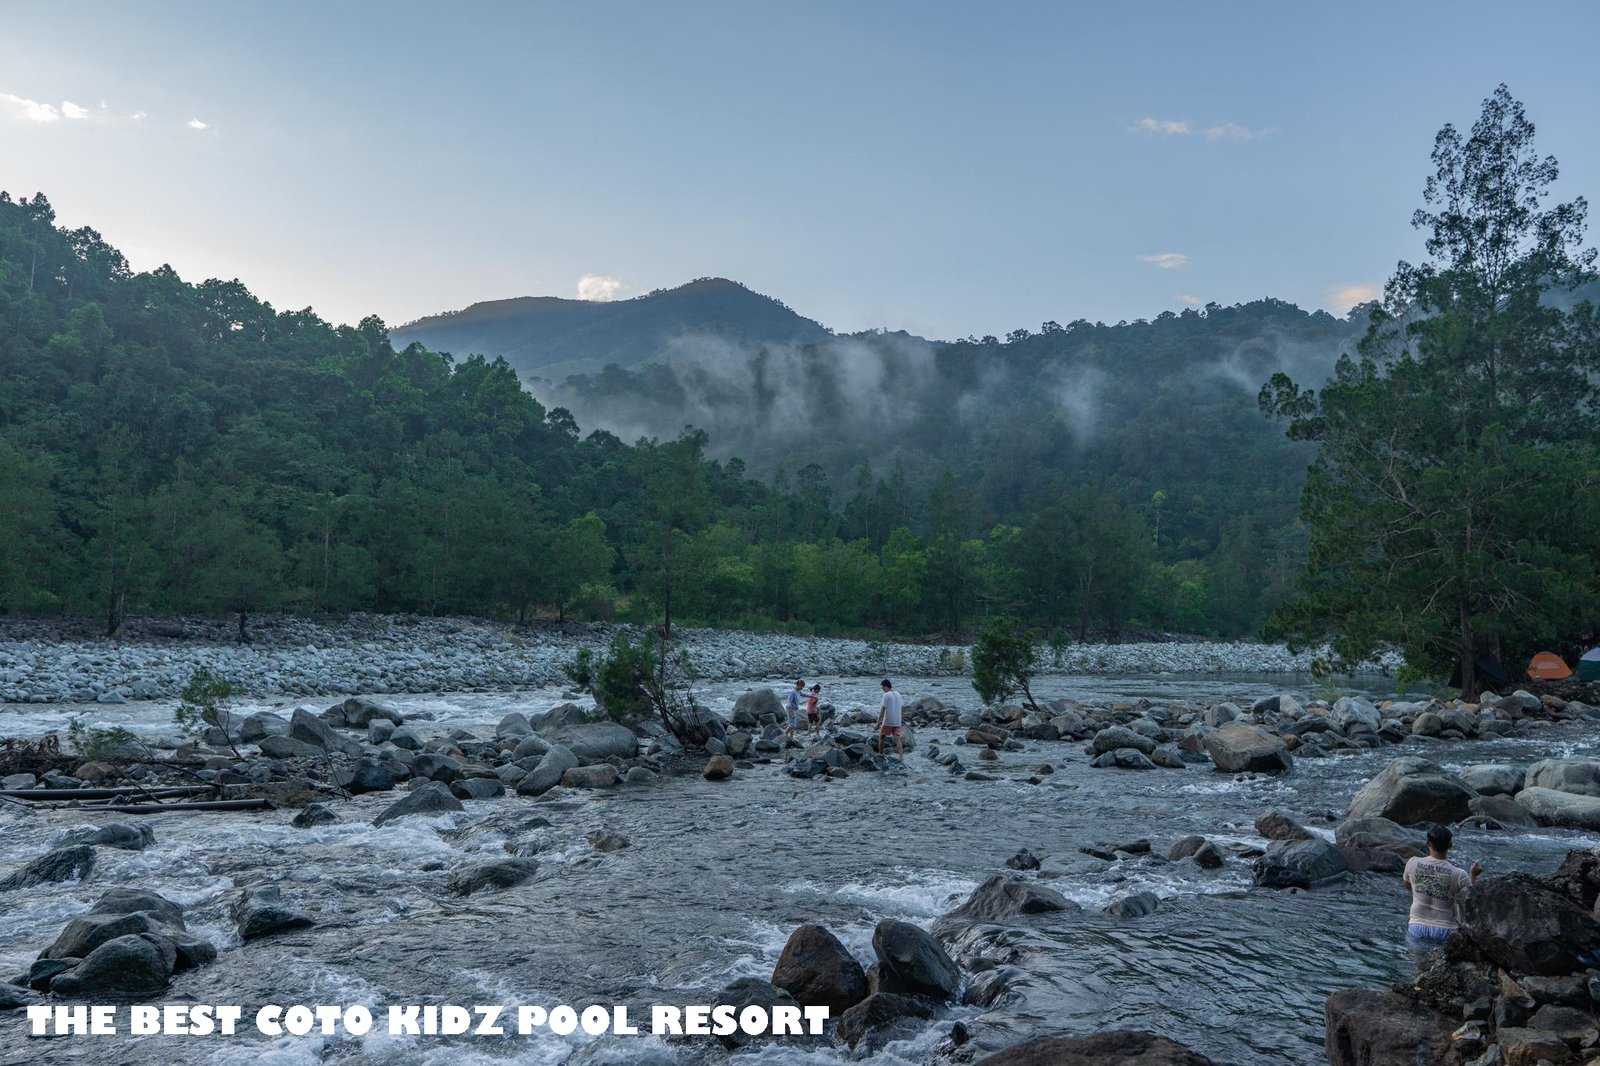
x,y
552,337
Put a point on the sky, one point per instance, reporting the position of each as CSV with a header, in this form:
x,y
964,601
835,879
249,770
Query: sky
x,y
944,168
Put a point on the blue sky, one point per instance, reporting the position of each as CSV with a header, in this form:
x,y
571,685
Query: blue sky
x,y
943,168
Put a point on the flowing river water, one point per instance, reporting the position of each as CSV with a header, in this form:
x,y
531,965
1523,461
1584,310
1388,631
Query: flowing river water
x,y
719,874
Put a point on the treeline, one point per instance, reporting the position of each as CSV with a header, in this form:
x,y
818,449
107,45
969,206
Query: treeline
x,y
170,447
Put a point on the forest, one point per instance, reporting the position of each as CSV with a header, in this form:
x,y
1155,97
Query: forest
x,y
169,447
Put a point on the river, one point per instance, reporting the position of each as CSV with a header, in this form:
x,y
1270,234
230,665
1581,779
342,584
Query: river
x,y
719,874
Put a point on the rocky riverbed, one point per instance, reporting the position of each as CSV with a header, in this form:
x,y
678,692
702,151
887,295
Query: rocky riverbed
x,y
49,663
1021,874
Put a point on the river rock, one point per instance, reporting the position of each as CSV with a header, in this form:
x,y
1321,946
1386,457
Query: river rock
x,y
1299,864
911,961
1494,779
16,997
1238,748
600,775
262,724
999,898
1114,737
817,970
1568,809
1135,906
559,717
1503,811
502,873
513,725
548,773
478,788
124,836
139,900
532,746
359,712
1412,790
1581,777
369,774
432,798
260,911
313,815
1353,714
63,864
596,741
1380,833
1523,925
747,992
88,931
1121,1047
757,707
307,728
133,965
718,768
606,840
867,1021
1280,825
1023,860
1366,1028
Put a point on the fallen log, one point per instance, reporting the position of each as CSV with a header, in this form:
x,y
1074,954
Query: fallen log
x,y
162,808
38,794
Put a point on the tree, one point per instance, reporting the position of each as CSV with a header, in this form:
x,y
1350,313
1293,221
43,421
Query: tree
x,y
579,556
1002,661
1472,401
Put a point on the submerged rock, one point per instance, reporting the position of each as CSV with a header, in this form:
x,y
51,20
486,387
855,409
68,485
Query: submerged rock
x,y
868,1021
817,970
503,873
133,965
1412,790
1299,864
1572,810
911,961
1120,1047
1001,897
432,798
125,836
1524,925
63,864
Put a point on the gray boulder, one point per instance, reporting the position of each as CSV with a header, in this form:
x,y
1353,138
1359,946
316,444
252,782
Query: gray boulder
x,y
1412,790
547,774
263,724
601,775
757,707
1380,833
597,741
314,814
1238,748
817,970
1299,864
261,912
1000,898
872,1020
307,728
138,900
359,712
1581,777
1353,714
1135,906
911,961
1527,927
1494,779
503,873
1114,737
1570,810
133,965
124,836
432,798
63,864
1280,825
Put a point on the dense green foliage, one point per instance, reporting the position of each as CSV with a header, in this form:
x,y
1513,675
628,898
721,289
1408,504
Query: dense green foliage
x,y
1454,507
1003,661
171,447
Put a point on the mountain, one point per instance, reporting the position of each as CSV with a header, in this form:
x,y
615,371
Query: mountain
x,y
551,337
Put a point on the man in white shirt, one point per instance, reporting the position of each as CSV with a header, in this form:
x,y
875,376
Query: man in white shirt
x,y
889,719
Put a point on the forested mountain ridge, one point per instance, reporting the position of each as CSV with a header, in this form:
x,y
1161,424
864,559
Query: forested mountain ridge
x,y
173,447
554,337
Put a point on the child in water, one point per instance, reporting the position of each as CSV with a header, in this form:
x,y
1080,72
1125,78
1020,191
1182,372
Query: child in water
x,y
813,716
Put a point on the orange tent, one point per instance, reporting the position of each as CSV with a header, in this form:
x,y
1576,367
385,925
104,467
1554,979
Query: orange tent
x,y
1547,666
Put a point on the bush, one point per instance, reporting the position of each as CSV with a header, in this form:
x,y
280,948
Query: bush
x,y
580,668
1002,661
636,679
202,698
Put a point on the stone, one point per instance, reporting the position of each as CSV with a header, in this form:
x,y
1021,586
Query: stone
x,y
1494,779
478,788
1571,810
1023,860
139,900
123,836
133,965
63,864
1578,776
262,724
606,840
817,970
79,937
532,746
999,898
1523,925
718,768
260,912
1299,864
1238,748
757,707
1120,1047
1113,737
1280,825
313,815
911,961
1530,1047
1135,906
865,1021
1411,791
513,724
1367,1028
1354,714
432,798
503,873
547,774
1380,833
307,728
601,775
747,992
596,741
359,712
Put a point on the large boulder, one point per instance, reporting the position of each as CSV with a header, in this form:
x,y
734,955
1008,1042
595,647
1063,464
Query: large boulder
x,y
263,724
547,774
503,873
307,728
1504,811
1299,864
1571,810
1578,776
749,992
1366,1028
1353,714
597,741
124,836
1236,748
1280,825
1412,790
911,961
1115,737
601,775
135,900
757,707
359,712
999,898
817,970
1121,1047
868,1020
63,864
432,798
1380,833
1524,925
127,966
260,911
1494,779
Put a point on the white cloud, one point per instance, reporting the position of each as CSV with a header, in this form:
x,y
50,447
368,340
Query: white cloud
x,y
1166,127
72,110
13,106
139,116
598,287
1191,300
1231,131
1343,298
196,124
1167,260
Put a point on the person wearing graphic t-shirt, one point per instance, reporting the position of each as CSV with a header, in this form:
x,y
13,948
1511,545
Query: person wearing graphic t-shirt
x,y
1437,888
889,719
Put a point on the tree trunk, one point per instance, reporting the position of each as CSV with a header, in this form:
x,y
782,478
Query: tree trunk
x,y
244,634
1468,653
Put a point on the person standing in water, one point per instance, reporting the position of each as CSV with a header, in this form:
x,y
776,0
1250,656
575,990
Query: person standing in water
x,y
813,715
1437,888
889,720
791,707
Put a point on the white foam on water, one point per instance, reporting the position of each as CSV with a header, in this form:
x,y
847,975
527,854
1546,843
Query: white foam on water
x,y
901,893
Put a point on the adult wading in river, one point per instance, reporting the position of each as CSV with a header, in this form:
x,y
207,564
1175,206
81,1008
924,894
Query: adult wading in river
x,y
1437,888
889,720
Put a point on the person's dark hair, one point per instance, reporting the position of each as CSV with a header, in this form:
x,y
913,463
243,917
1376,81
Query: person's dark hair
x,y
816,688
886,683
1439,838
799,684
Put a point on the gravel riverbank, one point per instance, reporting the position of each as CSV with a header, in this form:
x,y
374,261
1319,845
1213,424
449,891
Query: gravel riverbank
x,y
40,663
